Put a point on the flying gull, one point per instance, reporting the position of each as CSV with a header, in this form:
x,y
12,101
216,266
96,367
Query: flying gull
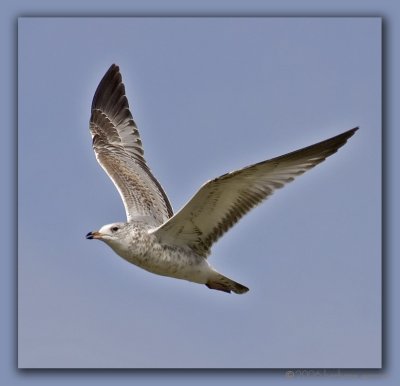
x,y
153,237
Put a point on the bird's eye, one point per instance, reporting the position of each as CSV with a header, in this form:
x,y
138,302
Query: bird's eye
x,y
114,229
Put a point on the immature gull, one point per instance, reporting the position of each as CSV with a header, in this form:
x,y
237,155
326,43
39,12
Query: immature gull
x,y
155,239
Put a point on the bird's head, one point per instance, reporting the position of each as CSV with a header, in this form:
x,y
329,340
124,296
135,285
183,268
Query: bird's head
x,y
110,233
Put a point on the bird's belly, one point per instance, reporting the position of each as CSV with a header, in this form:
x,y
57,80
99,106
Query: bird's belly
x,y
173,262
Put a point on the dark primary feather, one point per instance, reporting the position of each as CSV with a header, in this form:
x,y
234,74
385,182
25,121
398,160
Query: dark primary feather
x,y
118,149
221,202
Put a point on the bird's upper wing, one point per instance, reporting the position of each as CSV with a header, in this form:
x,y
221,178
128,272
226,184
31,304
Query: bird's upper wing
x,y
221,202
118,149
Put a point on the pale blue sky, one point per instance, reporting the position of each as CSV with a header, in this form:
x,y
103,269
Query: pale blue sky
x,y
209,95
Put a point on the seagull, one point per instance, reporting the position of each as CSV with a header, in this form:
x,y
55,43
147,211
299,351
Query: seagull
x,y
153,237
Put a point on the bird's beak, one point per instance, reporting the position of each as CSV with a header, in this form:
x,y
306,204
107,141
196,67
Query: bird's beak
x,y
93,235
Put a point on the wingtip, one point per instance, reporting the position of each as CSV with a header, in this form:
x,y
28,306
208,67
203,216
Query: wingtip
x,y
346,135
113,69
108,82
114,66
353,130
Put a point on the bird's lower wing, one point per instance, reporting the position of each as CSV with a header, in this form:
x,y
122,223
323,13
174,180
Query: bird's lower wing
x,y
221,202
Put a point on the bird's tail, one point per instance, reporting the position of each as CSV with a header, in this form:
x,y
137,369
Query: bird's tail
x,y
222,283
